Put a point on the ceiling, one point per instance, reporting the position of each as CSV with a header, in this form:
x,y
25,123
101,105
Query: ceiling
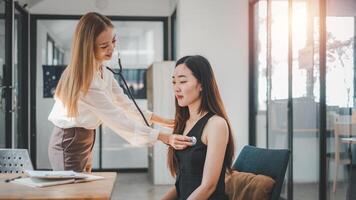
x,y
62,30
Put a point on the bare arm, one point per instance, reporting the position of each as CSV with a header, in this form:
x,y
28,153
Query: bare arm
x,y
217,135
171,194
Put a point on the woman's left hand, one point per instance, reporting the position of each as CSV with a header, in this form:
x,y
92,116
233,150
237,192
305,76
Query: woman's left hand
x,y
177,141
168,123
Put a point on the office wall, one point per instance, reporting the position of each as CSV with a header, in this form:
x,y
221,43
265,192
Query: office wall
x,y
172,5
107,7
43,105
218,30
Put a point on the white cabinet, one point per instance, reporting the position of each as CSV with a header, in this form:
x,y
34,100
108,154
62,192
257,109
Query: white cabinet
x,y
160,99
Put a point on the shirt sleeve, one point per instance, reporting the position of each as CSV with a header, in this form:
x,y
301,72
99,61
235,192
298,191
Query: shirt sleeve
x,y
98,102
129,107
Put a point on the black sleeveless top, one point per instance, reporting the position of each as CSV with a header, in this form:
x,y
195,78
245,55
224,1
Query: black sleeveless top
x,y
190,165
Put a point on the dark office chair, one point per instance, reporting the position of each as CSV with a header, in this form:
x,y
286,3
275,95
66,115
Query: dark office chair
x,y
268,162
14,161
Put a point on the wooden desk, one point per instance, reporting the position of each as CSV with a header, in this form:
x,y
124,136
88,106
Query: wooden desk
x,y
99,190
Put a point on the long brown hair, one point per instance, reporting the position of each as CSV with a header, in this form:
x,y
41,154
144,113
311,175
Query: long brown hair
x,y
210,102
79,73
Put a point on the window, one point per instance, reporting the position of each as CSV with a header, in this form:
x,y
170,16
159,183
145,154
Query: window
x,y
50,46
55,55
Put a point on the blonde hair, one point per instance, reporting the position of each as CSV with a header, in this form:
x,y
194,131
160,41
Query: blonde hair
x,y
79,73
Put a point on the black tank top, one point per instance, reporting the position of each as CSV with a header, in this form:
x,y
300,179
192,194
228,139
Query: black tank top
x,y
190,165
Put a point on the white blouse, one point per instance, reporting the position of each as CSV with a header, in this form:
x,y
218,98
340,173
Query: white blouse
x,y
106,103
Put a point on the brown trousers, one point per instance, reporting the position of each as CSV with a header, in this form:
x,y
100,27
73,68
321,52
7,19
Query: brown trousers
x,y
71,149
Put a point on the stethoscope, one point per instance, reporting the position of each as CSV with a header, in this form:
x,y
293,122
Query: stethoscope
x,y
127,88
193,139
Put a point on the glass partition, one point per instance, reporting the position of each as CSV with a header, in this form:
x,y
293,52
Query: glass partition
x,y
2,73
340,98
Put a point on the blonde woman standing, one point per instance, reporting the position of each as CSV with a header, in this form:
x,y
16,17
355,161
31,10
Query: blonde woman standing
x,y
87,95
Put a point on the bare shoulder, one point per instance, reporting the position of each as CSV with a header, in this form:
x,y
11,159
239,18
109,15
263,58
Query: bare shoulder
x,y
216,127
217,122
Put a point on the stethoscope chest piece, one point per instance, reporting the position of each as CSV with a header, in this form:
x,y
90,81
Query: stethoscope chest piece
x,y
193,140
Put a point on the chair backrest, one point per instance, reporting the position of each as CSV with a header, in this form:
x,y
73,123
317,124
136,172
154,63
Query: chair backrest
x,y
344,129
14,161
269,162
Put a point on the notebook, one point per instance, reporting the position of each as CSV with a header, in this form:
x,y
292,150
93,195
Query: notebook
x,y
54,174
45,182
41,182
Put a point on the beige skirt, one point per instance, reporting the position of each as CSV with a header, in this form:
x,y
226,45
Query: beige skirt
x,y
71,149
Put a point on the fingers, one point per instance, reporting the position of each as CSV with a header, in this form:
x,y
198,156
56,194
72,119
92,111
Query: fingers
x,y
182,138
171,126
180,147
180,142
177,142
179,139
168,123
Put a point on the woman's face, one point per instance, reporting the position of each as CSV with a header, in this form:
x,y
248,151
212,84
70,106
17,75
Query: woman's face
x,y
186,87
104,45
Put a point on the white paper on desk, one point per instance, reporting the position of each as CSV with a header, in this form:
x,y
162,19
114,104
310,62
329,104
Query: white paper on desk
x,y
53,174
41,182
45,182
89,177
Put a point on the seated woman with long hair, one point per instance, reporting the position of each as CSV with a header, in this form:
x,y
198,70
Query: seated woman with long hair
x,y
199,169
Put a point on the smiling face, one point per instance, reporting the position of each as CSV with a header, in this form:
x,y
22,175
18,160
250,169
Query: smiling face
x,y
186,87
104,45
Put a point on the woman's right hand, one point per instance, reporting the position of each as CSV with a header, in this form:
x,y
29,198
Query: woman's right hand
x,y
178,142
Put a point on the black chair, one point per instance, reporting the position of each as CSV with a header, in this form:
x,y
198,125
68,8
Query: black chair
x,y
14,161
268,162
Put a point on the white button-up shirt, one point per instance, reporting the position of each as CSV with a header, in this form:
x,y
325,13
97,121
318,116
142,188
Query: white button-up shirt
x,y
106,103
